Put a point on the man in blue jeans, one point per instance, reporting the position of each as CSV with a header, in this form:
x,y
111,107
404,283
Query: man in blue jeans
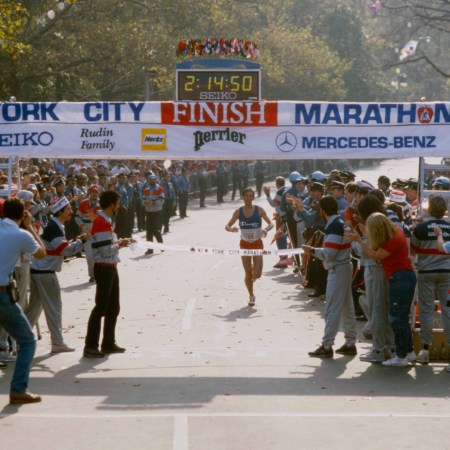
x,y
15,241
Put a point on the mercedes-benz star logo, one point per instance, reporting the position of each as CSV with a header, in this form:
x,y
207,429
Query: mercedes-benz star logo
x,y
286,141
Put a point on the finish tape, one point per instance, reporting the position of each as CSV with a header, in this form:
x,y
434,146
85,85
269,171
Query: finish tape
x,y
213,251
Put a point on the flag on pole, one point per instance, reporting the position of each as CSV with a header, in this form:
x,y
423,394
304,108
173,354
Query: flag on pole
x,y
408,50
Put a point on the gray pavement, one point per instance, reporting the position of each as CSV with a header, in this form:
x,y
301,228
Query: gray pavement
x,y
202,371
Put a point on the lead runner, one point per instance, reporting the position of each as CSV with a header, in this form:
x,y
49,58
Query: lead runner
x,y
250,223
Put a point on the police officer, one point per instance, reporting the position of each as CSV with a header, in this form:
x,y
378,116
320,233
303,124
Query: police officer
x,y
337,191
169,198
122,213
202,175
221,182
384,183
184,186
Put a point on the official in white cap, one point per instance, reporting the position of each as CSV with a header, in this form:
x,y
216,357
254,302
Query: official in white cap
x,y
26,197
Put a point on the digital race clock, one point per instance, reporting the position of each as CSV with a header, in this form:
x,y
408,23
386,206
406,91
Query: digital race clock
x,y
218,85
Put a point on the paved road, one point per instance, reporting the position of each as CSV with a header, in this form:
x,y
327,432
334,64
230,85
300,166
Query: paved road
x,y
202,371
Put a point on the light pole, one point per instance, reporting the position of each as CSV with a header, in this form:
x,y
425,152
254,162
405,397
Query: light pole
x,y
399,82
148,74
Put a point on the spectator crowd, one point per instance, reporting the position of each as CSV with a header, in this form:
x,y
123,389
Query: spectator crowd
x,y
364,248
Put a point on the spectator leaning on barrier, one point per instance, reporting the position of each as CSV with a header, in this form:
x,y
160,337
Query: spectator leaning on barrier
x,y
433,272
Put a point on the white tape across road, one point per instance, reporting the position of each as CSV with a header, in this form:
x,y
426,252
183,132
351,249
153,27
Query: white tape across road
x,y
213,251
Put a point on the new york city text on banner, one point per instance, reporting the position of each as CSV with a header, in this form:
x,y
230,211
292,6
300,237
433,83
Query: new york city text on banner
x,y
224,130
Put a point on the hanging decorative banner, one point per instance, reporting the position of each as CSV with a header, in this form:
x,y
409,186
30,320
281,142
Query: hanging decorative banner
x,y
189,48
224,130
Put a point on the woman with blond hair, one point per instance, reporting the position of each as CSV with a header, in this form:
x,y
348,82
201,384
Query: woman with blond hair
x,y
387,244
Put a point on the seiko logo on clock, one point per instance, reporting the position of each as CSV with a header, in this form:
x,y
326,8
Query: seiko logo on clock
x,y
218,96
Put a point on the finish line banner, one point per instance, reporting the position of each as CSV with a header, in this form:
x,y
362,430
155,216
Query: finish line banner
x,y
224,130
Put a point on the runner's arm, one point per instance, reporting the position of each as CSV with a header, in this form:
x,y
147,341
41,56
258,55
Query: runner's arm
x,y
264,216
229,226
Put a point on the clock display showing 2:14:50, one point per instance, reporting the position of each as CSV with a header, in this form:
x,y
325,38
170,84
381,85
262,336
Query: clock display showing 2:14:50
x,y
226,85
233,83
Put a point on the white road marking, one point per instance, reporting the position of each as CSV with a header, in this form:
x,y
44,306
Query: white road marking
x,y
222,329
223,353
217,265
119,416
187,318
180,432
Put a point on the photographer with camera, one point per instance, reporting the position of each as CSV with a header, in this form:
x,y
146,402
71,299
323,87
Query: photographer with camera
x,y
14,242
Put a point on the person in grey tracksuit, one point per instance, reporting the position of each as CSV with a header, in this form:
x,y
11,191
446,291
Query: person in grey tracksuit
x,y
377,298
376,291
339,306
45,291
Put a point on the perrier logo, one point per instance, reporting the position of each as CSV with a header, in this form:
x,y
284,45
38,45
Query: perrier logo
x,y
203,137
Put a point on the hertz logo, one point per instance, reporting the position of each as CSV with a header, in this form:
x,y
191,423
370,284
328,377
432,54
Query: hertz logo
x,y
153,139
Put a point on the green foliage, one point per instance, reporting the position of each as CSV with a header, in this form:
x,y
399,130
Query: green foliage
x,y
113,49
307,71
13,18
